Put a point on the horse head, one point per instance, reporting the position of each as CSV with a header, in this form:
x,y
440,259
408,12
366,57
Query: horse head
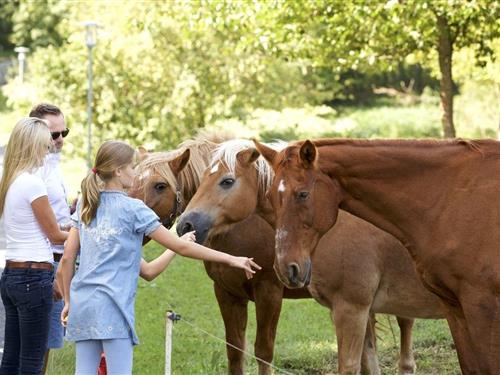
x,y
156,183
229,190
305,203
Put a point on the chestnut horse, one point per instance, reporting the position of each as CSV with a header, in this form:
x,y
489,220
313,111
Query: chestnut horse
x,y
439,198
357,268
165,182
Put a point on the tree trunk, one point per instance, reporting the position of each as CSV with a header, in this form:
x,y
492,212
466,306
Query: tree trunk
x,y
445,49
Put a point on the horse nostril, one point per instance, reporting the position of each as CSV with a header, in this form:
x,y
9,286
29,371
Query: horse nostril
x,y
293,272
187,227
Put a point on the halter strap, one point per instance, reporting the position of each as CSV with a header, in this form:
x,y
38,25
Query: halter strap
x,y
176,210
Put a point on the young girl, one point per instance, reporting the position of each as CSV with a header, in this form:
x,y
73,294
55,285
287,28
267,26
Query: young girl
x,y
27,281
109,228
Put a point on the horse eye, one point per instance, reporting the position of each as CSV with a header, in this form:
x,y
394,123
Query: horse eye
x,y
160,186
303,195
227,182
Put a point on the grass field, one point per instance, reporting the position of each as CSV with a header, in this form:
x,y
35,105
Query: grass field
x,y
305,341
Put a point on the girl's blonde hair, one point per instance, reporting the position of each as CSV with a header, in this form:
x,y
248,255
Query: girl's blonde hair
x,y
110,156
28,144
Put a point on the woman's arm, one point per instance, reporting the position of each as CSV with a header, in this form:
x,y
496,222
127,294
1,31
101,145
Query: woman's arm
x,y
192,250
66,268
45,216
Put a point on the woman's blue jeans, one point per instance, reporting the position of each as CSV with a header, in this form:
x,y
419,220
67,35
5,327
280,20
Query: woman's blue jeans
x,y
27,298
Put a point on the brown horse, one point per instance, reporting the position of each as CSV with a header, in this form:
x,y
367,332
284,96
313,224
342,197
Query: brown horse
x,y
439,198
357,268
162,179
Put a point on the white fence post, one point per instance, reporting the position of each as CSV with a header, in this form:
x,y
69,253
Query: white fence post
x,y
171,317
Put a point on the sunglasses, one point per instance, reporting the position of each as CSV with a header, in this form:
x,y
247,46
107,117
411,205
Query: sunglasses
x,y
56,135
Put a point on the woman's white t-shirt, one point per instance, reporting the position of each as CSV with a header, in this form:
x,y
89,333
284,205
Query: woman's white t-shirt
x,y
26,240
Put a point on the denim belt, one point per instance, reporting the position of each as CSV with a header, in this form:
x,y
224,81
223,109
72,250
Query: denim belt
x,y
35,265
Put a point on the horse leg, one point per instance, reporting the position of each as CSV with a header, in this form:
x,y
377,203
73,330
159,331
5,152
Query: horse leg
x,y
369,358
461,338
268,299
406,361
350,321
483,322
234,314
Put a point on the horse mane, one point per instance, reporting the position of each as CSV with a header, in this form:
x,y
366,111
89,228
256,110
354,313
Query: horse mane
x,y
189,178
226,152
199,159
157,163
484,148
476,145
214,136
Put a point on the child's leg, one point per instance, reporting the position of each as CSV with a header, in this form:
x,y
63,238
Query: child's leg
x,y
119,356
88,355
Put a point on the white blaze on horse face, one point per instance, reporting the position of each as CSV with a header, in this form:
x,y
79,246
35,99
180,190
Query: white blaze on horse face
x,y
280,238
214,169
281,186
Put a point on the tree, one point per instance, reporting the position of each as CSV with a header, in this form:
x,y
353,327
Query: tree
x,y
7,10
37,23
162,70
379,34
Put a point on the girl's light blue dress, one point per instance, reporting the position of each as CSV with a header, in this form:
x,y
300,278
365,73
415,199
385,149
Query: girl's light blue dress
x,y
103,290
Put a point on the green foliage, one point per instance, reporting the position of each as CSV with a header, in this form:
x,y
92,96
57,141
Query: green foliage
x,y
161,72
354,35
7,10
37,23
164,70
383,119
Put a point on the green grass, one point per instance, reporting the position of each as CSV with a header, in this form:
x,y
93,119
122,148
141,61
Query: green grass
x,y
305,341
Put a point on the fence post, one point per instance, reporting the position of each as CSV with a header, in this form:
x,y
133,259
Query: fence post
x,y
171,318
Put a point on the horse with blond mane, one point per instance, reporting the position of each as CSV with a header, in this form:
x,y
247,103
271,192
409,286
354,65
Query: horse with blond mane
x,y
166,182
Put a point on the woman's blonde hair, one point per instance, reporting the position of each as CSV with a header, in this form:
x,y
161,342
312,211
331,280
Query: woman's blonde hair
x,y
110,156
28,144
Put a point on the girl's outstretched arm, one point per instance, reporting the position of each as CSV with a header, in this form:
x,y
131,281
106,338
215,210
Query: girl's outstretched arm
x,y
192,250
149,270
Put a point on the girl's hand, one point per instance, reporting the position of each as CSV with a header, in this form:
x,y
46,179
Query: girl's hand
x,y
189,236
247,264
64,315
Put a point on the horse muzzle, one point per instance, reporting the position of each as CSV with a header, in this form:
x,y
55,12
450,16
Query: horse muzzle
x,y
199,222
293,275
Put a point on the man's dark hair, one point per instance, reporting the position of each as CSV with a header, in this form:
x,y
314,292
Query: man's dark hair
x,y
43,109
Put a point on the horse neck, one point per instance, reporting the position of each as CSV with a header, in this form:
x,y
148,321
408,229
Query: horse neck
x,y
264,209
398,186
189,178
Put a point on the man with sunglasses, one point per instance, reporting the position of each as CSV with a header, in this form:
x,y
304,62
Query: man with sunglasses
x,y
56,191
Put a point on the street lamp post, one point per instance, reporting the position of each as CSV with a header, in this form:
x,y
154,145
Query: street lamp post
x,y
90,40
21,57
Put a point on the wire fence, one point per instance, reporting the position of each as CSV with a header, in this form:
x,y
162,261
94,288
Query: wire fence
x,y
177,318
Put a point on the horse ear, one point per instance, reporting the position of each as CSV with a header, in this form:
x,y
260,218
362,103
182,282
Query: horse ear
x,y
308,154
142,153
267,152
178,164
247,157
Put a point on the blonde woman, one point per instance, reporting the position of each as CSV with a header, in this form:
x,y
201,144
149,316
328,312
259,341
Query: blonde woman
x,y
109,228
26,283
